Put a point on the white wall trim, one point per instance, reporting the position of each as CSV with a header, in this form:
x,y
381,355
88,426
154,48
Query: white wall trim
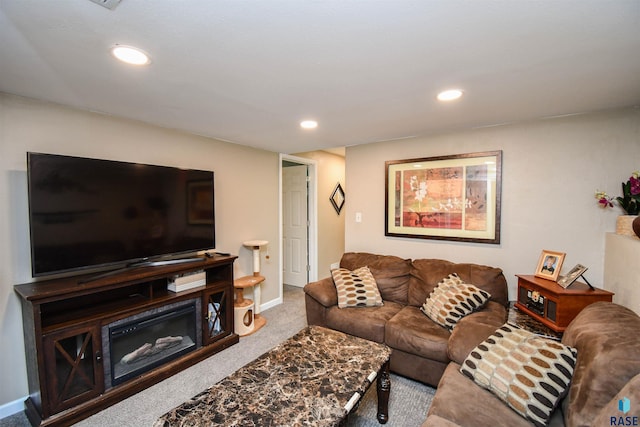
x,y
12,408
274,302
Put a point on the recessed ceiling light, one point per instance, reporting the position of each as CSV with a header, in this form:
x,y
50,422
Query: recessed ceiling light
x,y
130,55
449,95
308,124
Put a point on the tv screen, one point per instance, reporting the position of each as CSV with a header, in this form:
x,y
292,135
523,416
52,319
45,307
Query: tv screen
x,y
88,213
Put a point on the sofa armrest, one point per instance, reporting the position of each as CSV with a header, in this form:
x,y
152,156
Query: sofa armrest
x,y
323,291
319,297
471,330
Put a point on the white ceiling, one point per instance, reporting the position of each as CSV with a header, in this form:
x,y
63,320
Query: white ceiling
x,y
247,71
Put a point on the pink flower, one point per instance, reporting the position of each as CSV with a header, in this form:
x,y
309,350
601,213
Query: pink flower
x,y
635,185
629,200
605,202
603,199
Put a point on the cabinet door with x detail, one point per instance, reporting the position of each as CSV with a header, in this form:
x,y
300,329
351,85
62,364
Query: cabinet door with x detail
x,y
73,366
218,314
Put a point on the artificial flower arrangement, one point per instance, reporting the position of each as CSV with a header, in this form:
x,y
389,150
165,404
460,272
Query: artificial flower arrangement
x,y
630,200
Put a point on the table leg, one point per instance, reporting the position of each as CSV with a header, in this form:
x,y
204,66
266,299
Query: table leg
x,y
383,388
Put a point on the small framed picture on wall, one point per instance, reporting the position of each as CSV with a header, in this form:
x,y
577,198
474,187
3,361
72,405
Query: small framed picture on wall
x,y
549,265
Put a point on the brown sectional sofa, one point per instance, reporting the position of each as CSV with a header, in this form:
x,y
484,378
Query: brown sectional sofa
x,y
606,337
420,347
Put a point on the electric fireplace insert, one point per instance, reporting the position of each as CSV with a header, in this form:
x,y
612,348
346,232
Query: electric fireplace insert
x,y
139,343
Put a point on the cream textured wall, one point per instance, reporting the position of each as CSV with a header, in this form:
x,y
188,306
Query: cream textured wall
x,y
622,269
246,183
331,170
551,169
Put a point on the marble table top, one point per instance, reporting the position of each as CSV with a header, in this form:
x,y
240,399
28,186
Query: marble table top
x,y
306,380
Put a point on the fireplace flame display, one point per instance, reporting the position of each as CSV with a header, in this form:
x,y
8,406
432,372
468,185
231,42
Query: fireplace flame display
x,y
142,342
148,349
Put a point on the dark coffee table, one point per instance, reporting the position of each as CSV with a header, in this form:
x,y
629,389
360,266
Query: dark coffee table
x,y
314,378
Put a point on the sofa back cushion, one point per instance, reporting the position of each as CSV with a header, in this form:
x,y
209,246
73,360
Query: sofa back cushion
x,y
391,273
606,337
427,273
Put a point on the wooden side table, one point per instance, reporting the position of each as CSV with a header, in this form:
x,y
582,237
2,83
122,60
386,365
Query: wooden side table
x,y
553,305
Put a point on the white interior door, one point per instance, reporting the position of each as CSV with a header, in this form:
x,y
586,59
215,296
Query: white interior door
x,y
295,225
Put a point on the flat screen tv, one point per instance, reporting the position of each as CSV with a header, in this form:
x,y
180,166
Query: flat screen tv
x,y
89,213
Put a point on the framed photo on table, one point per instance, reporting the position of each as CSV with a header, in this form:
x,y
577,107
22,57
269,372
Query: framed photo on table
x,y
453,197
572,275
549,265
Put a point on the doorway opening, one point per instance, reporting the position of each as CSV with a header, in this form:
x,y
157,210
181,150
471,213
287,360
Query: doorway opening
x,y
298,220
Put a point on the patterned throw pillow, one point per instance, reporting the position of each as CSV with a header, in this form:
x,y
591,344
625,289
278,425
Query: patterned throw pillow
x,y
529,373
356,288
452,299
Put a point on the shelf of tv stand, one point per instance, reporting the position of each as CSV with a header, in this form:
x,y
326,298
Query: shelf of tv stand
x,y
70,299
77,285
58,308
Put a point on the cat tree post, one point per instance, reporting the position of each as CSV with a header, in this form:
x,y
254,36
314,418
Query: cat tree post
x,y
247,313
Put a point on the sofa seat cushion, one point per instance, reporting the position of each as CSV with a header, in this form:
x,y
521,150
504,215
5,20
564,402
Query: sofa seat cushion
x,y
606,336
460,401
392,274
436,421
475,328
413,332
426,273
364,322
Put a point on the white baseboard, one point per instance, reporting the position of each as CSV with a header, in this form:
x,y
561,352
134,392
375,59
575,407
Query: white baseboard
x,y
272,303
11,408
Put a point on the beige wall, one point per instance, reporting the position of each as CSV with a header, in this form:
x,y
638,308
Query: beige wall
x,y
622,269
245,178
331,170
551,169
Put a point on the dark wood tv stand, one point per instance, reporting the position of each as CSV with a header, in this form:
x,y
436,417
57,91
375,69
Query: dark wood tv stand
x,y
67,386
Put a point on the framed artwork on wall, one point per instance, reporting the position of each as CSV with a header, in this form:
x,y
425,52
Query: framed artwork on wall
x,y
337,198
549,265
454,197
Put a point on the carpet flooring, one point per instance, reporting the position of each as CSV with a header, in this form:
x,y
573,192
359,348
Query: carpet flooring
x,y
408,403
